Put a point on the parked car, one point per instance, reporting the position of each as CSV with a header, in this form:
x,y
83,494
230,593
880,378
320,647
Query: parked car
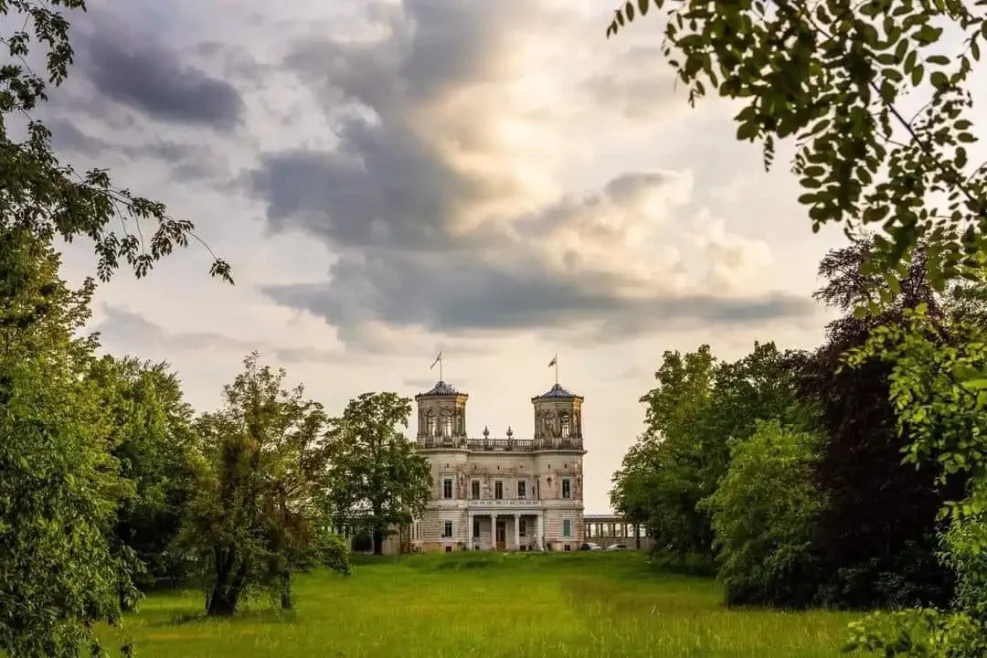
x,y
617,547
590,546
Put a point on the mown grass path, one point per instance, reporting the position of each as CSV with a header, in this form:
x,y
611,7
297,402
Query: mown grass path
x,y
493,605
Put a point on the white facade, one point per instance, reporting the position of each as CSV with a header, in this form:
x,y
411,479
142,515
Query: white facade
x,y
501,494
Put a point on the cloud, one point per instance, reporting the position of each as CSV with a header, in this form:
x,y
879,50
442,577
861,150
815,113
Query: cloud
x,y
133,68
124,329
635,83
186,162
441,195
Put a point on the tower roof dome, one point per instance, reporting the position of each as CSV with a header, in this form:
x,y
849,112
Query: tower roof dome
x,y
440,388
556,393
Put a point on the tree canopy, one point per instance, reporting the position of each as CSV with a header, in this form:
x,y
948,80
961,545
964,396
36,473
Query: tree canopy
x,y
378,479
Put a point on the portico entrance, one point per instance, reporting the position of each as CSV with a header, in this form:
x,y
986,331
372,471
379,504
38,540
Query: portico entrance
x,y
508,530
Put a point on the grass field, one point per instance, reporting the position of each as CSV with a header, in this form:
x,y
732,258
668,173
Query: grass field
x,y
493,605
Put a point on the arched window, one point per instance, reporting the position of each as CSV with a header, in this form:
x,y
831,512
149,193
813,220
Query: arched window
x,y
565,425
430,424
447,425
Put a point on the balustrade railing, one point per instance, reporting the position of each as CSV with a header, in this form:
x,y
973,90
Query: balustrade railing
x,y
520,445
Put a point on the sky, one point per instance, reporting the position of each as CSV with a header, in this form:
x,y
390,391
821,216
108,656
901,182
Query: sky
x,y
495,180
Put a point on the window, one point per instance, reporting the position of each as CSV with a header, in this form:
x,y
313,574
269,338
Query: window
x,y
447,488
475,490
476,528
565,425
430,424
566,528
566,488
522,489
498,490
522,528
447,426
447,529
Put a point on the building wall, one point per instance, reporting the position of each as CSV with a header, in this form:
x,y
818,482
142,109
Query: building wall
x,y
543,473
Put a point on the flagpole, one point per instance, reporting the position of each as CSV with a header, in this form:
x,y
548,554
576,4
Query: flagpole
x,y
556,369
441,377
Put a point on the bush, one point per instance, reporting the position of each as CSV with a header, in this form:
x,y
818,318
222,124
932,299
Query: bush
x,y
333,553
764,515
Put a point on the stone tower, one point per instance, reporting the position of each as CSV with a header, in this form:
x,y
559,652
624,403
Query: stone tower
x,y
558,417
441,416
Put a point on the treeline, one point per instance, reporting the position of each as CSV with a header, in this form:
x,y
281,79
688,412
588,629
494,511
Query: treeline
x,y
110,483
785,470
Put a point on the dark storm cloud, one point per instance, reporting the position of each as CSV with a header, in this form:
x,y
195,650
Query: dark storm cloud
x,y
451,294
390,202
135,70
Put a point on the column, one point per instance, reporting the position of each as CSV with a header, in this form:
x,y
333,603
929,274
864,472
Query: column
x,y
493,532
517,532
539,531
469,531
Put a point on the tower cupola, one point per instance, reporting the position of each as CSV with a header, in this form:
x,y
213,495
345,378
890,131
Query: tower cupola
x,y
441,415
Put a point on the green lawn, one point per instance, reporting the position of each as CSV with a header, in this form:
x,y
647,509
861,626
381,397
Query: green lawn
x,y
510,605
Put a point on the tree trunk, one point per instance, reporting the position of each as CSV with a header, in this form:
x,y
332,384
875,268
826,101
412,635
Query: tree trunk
x,y
285,578
222,602
378,541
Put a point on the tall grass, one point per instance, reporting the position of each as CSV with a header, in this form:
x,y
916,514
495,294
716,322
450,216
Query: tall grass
x,y
469,604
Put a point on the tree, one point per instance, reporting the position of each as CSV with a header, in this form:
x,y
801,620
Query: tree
x,y
377,478
665,476
257,516
698,406
877,533
59,482
829,75
156,448
764,515
942,409
47,198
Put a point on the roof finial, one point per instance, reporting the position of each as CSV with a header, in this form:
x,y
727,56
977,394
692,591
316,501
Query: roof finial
x,y
486,432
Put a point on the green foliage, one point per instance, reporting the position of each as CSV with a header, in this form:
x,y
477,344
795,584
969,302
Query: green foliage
x,y
764,515
377,479
60,485
829,75
49,199
697,407
255,517
331,552
938,366
156,448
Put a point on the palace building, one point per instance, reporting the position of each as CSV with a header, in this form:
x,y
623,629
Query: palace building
x,y
502,494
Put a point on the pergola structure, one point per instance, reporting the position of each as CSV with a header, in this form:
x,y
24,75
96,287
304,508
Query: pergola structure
x,y
608,529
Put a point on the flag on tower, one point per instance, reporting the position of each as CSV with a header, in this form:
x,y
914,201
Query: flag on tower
x,y
554,361
438,359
